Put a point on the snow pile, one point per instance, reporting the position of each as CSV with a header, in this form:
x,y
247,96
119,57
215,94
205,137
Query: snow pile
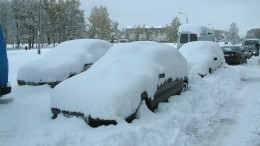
x,y
64,60
112,87
200,56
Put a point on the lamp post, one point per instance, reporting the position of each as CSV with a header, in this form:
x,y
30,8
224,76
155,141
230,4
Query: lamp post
x,y
185,15
39,29
212,26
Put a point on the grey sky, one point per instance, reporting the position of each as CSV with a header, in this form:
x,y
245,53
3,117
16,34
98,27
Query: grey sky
x,y
219,13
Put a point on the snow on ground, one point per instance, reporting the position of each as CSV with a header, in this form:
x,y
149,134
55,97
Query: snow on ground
x,y
222,109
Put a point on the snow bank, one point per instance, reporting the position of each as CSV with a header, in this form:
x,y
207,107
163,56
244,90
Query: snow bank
x,y
200,56
67,58
112,87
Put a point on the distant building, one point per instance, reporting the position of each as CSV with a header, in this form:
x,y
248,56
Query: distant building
x,y
145,33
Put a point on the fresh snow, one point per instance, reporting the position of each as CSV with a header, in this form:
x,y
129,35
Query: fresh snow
x,y
221,109
66,59
200,56
112,87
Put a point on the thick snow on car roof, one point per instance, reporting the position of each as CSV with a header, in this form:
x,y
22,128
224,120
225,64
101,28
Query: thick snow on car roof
x,y
112,87
200,56
195,28
65,59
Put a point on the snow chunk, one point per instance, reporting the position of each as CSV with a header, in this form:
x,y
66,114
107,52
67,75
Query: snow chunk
x,y
66,59
112,87
195,29
200,56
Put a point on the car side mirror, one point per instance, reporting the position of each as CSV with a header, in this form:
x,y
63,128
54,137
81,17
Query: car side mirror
x,y
162,75
215,58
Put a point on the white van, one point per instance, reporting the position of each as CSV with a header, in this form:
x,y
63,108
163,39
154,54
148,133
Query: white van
x,y
194,32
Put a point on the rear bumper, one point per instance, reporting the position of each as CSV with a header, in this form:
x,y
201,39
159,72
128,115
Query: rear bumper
x,y
51,84
231,60
88,119
5,90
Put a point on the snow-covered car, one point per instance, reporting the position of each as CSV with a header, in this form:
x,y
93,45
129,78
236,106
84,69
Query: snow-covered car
x,y
115,85
5,87
65,60
202,56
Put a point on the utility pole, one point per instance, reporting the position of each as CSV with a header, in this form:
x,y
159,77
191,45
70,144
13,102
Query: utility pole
x,y
39,29
185,15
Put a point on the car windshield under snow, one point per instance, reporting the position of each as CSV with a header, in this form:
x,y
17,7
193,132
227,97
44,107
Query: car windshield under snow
x,y
250,42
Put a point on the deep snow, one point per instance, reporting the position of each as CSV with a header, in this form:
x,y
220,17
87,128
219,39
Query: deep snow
x,y
221,109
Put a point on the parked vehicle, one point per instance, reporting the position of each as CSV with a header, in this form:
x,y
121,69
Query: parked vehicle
x,y
114,87
5,87
247,52
253,45
194,32
65,60
234,54
203,57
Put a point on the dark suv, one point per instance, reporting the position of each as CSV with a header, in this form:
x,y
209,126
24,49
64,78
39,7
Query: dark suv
x,y
5,87
253,45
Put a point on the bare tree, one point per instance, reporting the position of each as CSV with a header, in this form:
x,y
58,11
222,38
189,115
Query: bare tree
x,y
233,33
253,33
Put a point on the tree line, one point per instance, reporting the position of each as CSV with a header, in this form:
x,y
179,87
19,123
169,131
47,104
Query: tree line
x,y
57,21
63,20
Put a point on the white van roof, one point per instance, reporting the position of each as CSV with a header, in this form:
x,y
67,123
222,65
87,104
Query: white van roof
x,y
194,28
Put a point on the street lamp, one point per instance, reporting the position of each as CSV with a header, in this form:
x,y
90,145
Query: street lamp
x,y
39,29
212,26
185,15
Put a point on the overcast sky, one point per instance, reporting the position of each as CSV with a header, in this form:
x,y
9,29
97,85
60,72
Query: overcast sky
x,y
218,13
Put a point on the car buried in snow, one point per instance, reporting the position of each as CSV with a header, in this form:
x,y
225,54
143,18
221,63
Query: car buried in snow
x,y
114,87
203,57
65,60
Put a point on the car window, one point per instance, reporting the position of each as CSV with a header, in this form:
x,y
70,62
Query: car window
x,y
238,49
245,49
227,49
193,37
250,42
184,38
